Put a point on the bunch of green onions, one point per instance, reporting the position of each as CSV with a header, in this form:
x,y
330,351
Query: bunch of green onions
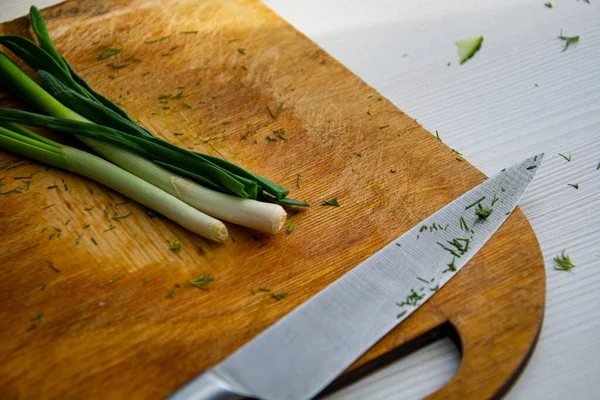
x,y
180,184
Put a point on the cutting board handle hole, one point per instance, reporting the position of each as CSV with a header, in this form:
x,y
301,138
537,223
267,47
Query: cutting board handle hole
x,y
435,354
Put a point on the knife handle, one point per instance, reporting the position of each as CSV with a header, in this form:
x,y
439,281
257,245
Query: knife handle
x,y
206,386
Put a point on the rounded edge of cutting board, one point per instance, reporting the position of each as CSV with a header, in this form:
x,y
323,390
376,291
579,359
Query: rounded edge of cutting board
x,y
493,355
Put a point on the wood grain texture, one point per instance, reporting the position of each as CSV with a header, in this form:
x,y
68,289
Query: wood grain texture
x,y
126,339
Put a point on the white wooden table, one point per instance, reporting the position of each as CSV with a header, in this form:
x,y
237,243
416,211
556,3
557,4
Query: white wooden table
x,y
520,95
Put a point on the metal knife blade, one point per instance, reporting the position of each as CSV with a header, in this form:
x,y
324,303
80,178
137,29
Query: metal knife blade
x,y
302,353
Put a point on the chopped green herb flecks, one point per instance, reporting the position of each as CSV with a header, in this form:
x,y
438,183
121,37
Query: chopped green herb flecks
x,y
262,289
37,317
116,66
565,157
78,239
298,178
110,228
463,224
333,202
548,4
401,314
201,281
176,245
563,262
437,136
171,294
291,227
483,212
423,280
241,50
569,40
108,282
467,47
156,40
532,167
451,266
474,204
94,241
495,200
188,33
574,185
384,126
411,300
108,53
52,266
279,296
503,189
118,218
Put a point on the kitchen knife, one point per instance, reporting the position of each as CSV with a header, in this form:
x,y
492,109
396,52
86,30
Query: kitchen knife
x,y
302,353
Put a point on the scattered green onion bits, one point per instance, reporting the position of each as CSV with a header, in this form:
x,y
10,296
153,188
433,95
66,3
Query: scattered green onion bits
x,y
333,202
563,262
175,245
467,47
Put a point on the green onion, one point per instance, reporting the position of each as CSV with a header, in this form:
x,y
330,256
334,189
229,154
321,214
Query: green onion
x,y
71,98
26,143
266,217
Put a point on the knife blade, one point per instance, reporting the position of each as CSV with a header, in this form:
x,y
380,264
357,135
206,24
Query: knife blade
x,y
302,353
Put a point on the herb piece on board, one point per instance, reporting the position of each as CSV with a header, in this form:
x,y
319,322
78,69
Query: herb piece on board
x,y
116,66
569,40
279,296
333,202
103,55
108,282
467,47
176,245
549,5
298,178
37,317
171,294
241,50
52,266
200,282
483,212
291,227
563,262
574,185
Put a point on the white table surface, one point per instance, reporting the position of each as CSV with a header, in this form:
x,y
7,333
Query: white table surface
x,y
492,111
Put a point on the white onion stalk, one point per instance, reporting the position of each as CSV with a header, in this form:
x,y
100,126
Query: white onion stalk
x,y
21,141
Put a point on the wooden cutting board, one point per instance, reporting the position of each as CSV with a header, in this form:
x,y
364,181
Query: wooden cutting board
x,y
230,60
